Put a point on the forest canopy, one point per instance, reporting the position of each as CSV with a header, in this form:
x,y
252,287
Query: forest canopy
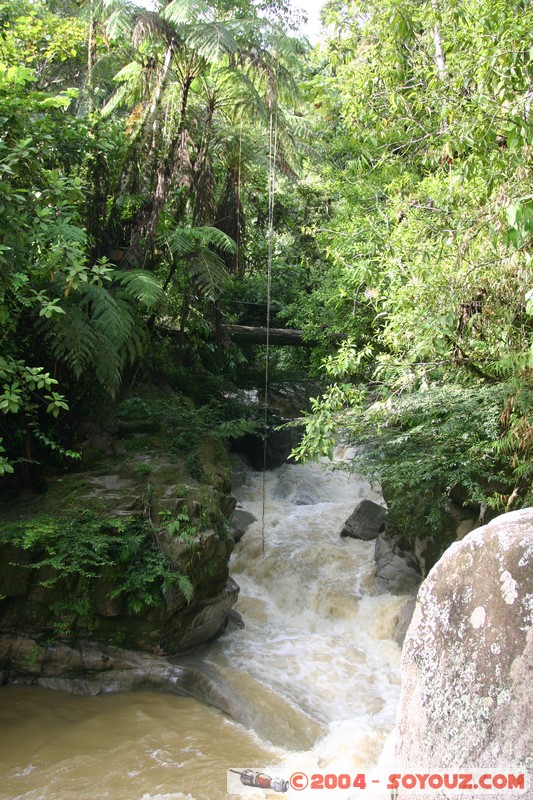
x,y
137,150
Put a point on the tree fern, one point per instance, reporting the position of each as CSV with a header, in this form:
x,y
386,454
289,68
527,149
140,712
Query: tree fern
x,y
198,246
210,40
121,19
209,275
101,328
141,286
105,314
239,93
184,242
182,11
127,92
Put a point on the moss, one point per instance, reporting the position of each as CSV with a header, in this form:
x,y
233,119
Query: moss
x,y
93,556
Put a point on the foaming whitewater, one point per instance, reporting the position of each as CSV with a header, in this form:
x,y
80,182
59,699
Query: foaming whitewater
x,y
317,636
315,672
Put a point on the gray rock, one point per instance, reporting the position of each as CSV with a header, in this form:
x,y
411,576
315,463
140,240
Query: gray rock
x,y
404,620
468,656
366,522
118,488
235,620
240,522
396,572
303,499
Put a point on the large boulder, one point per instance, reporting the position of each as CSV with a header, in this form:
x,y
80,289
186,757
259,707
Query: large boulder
x,y
468,657
135,475
272,453
366,522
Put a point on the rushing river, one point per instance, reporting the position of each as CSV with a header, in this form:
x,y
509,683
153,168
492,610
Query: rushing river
x,y
315,666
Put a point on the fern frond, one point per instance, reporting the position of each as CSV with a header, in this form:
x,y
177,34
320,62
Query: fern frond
x,y
108,365
209,274
114,322
141,286
72,339
182,11
135,344
179,242
184,242
211,40
186,587
130,72
121,20
214,237
239,92
118,97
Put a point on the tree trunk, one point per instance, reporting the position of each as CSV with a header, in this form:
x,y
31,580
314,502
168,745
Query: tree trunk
x,y
439,53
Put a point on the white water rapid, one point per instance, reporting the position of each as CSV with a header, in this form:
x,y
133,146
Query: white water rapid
x,y
315,666
318,645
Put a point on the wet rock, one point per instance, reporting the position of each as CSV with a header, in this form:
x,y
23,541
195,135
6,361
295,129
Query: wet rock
x,y
303,499
277,449
227,506
289,399
240,522
91,669
235,620
366,522
396,571
404,620
194,626
147,484
468,655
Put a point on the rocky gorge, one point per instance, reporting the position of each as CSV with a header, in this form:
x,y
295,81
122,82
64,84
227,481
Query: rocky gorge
x,y
466,659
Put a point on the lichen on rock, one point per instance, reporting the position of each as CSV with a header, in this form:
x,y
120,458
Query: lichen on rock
x,y
467,659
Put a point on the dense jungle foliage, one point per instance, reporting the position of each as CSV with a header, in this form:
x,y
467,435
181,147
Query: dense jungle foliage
x,y
167,171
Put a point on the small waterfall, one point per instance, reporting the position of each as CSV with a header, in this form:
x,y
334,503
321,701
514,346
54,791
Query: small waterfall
x,y
316,656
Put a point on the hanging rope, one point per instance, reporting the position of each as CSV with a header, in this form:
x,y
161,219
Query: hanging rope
x,y
273,145
238,250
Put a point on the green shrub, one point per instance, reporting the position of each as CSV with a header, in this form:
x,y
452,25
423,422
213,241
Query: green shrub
x,y
81,549
427,446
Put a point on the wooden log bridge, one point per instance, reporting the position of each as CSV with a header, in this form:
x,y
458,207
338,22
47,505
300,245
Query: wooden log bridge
x,y
282,337
246,334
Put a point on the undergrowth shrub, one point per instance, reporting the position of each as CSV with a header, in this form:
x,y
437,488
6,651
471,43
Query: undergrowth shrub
x,y
430,446
79,550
